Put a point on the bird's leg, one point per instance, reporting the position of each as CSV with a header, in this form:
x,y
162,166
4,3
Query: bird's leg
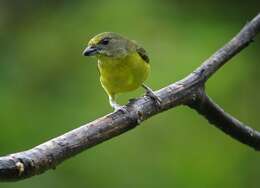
x,y
150,93
116,106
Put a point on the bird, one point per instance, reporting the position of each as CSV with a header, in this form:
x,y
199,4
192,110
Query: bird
x,y
122,63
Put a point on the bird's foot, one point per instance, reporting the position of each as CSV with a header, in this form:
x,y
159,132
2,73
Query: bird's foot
x,y
120,108
153,96
116,106
150,93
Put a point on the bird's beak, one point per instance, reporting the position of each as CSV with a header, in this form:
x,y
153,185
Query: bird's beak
x,y
90,51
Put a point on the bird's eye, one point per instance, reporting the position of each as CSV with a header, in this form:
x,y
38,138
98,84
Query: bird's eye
x,y
104,41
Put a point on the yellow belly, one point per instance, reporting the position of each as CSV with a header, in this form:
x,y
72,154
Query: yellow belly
x,y
122,75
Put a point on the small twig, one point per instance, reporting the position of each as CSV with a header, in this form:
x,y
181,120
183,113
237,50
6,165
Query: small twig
x,y
49,154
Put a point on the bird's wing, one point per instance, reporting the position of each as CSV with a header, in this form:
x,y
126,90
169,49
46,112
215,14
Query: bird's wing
x,y
141,51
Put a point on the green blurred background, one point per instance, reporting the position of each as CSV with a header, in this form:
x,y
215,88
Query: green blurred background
x,y
47,88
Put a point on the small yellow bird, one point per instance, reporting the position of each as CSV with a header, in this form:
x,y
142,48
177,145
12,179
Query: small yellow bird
x,y
122,63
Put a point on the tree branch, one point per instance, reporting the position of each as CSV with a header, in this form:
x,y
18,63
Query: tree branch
x,y
184,92
225,122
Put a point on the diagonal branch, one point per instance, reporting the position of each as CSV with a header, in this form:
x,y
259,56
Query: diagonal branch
x,y
224,121
48,155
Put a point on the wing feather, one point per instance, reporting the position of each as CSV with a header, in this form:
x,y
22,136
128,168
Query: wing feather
x,y
143,54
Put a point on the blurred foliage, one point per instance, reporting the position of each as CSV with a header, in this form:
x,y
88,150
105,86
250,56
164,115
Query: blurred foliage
x,y
47,88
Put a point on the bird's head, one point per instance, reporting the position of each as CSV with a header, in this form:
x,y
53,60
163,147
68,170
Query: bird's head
x,y
108,44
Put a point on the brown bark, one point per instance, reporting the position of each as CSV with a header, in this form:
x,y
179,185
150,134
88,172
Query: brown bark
x,y
189,91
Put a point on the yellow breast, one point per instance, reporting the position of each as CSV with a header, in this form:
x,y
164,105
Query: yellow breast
x,y
122,75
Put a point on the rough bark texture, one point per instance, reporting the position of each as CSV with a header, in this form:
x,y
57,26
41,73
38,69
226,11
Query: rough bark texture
x,y
189,91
